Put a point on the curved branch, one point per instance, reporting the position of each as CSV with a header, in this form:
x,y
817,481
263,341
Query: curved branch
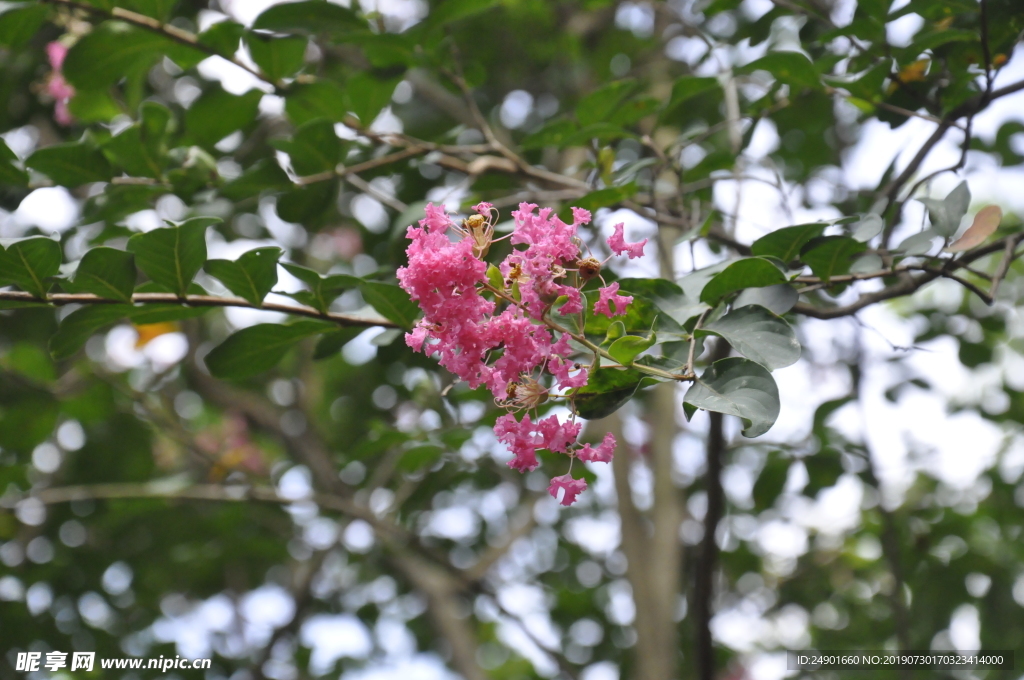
x,y
61,299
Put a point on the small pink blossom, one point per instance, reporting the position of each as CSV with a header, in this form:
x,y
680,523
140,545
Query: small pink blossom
x,y
518,436
55,52
609,294
56,86
557,436
617,242
571,487
601,454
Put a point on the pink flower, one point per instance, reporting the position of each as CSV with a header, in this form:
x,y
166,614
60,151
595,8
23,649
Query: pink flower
x,y
571,487
55,52
483,207
617,243
56,86
518,436
609,294
557,436
602,454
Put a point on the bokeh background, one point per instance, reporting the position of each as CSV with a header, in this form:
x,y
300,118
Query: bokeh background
x,y
884,508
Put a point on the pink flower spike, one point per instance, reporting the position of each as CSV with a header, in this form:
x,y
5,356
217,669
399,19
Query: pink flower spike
x,y
56,52
602,454
617,242
610,294
572,488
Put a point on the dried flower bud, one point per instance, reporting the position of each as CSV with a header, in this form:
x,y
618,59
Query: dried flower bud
x,y
589,268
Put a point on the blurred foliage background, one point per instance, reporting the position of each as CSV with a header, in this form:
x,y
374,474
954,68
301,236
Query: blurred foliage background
x,y
347,512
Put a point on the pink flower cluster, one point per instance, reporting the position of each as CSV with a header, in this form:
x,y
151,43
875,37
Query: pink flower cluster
x,y
57,87
505,337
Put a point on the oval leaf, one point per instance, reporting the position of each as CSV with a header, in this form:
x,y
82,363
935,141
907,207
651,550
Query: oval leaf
x,y
606,390
251,276
786,243
106,272
751,272
985,224
392,302
737,387
831,255
28,263
759,335
258,348
172,256
626,348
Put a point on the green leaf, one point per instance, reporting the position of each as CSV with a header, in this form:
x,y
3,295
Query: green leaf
x,y
419,457
599,105
106,272
771,480
251,276
216,114
830,256
867,228
322,289
628,347
314,148
313,16
391,301
606,390
264,175
19,23
785,243
737,387
115,49
310,101
10,173
31,361
688,87
554,133
259,348
750,272
757,334
452,10
776,299
947,213
277,57
224,37
603,198
172,256
823,471
332,342
29,262
791,68
71,164
367,94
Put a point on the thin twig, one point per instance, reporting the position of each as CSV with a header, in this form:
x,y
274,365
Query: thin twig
x,y
61,299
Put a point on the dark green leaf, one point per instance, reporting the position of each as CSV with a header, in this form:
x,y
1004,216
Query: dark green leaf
x,y
553,133
307,205
314,148
28,263
277,57
367,95
598,106
785,243
322,289
310,101
19,23
771,480
76,328
216,114
172,256
10,173
312,16
391,301
264,175
751,272
791,68
106,272
251,276
259,348
759,335
71,164
452,10
224,36
115,49
823,470
332,342
688,87
831,255
738,387
606,390
419,457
